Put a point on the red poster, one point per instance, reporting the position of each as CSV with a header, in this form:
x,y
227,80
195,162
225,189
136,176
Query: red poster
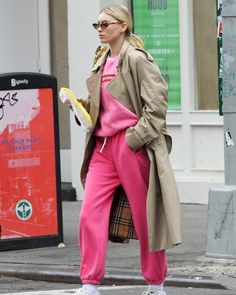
x,y
28,202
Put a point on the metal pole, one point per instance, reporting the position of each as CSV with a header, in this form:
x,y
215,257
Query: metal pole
x,y
221,235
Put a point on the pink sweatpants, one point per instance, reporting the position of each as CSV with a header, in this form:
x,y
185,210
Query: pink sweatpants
x,y
116,164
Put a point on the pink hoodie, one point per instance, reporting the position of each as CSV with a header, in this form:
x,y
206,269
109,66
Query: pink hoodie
x,y
113,116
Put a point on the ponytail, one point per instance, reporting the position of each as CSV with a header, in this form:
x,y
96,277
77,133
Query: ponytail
x,y
135,40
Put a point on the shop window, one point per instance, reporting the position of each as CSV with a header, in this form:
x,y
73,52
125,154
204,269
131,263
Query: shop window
x,y
157,23
205,54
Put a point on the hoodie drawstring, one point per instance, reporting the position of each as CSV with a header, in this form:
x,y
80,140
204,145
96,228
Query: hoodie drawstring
x,y
103,145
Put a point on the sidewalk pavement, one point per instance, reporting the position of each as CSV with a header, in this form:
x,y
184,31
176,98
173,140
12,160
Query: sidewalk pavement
x,y
188,265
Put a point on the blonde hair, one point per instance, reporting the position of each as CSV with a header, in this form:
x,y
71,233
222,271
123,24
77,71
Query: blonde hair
x,y
121,14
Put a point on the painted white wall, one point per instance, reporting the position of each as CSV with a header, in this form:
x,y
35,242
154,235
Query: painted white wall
x,y
66,171
44,36
104,3
24,31
19,50
83,42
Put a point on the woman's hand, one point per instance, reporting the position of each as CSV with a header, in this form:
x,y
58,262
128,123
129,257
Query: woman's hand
x,y
68,103
81,100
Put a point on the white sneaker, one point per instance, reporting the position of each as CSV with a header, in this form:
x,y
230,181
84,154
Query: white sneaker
x,y
151,292
84,291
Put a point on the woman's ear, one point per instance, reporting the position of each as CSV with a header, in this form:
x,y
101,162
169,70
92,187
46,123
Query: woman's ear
x,y
124,27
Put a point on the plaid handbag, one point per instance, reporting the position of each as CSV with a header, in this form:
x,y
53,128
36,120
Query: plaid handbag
x,y
121,221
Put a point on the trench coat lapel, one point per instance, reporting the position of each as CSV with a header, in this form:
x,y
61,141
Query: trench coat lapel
x,y
94,84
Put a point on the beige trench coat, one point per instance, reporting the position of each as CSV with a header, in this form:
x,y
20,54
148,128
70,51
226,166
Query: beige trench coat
x,y
140,87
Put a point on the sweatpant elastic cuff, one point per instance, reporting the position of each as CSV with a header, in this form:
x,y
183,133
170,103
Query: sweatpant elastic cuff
x,y
94,282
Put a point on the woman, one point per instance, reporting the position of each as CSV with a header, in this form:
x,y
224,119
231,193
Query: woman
x,y
128,146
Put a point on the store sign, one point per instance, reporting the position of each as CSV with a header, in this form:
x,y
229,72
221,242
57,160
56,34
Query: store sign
x,y
29,179
157,23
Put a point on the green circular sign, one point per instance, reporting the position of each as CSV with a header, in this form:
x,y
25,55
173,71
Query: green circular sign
x,y
24,210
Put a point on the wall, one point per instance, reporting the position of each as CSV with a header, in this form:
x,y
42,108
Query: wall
x,y
24,47
82,42
60,69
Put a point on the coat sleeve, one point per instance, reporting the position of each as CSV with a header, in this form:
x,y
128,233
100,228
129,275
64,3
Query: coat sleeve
x,y
153,91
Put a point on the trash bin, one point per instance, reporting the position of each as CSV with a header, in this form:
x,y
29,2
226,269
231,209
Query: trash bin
x,y
30,182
